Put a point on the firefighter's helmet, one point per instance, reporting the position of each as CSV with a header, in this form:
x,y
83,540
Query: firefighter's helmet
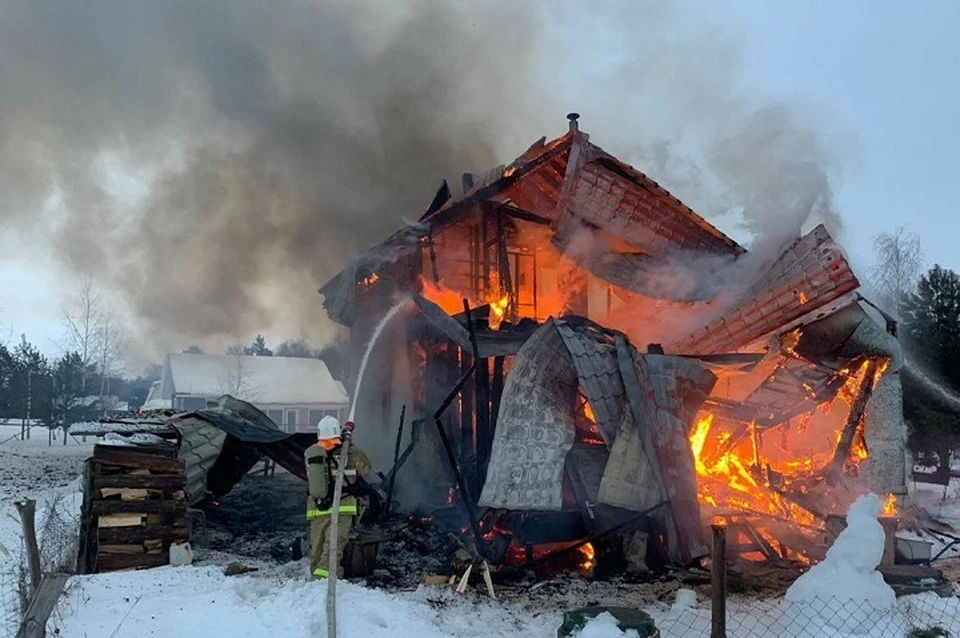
x,y
328,428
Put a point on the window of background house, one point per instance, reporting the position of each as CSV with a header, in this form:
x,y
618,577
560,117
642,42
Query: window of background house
x,y
315,416
292,419
190,404
276,416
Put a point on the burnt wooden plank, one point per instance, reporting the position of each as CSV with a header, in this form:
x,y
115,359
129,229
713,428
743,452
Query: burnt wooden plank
x,y
123,535
139,507
854,422
115,562
167,450
147,481
136,459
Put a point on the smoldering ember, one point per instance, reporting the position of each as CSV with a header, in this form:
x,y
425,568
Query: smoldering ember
x,y
561,374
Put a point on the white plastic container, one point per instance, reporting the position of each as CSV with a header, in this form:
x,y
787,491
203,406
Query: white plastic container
x,y
181,554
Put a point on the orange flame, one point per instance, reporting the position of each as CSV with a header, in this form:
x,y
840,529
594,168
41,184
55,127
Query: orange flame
x,y
498,309
451,302
890,506
803,298
588,557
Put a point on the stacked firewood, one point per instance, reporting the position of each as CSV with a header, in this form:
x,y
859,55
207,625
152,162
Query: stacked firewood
x,y
134,508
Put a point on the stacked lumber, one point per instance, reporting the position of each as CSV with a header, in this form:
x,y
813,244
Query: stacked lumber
x,y
134,508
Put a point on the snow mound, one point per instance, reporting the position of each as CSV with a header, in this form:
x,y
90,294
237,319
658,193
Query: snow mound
x,y
685,599
605,626
845,593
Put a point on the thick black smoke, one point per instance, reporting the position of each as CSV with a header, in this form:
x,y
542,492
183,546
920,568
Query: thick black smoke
x,y
269,140
213,162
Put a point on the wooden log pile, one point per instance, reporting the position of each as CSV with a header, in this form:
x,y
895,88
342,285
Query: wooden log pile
x,y
134,508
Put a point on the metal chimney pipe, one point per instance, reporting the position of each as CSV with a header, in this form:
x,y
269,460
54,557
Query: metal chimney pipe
x,y
574,126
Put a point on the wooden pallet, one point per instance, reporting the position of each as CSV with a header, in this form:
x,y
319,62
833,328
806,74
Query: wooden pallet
x,y
134,508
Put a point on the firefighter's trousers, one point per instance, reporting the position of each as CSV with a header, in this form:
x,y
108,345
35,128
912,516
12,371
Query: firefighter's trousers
x,y
320,524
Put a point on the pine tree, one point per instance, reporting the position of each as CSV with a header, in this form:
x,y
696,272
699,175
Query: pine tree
x,y
258,348
933,322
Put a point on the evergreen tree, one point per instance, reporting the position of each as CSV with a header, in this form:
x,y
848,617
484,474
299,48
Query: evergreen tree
x,y
69,405
932,329
7,371
258,348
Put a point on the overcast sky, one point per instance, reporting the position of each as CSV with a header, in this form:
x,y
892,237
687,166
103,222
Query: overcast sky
x,y
877,79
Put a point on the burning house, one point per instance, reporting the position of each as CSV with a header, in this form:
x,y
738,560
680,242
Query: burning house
x,y
585,358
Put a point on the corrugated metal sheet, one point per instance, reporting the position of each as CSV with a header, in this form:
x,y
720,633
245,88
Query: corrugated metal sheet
x,y
594,356
625,203
669,392
200,445
809,275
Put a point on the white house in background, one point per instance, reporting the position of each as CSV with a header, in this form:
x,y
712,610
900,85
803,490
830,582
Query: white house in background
x,y
295,393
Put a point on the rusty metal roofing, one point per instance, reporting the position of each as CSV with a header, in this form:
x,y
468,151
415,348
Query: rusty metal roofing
x,y
616,197
594,356
807,277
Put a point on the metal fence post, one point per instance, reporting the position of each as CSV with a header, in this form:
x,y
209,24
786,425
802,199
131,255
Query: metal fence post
x,y
718,580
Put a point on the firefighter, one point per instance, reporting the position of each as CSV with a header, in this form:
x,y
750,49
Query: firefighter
x,y
322,460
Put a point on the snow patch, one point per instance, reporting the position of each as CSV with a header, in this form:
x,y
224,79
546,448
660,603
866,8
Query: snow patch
x,y
605,626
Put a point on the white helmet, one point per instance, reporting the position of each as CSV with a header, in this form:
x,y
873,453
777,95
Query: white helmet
x,y
328,428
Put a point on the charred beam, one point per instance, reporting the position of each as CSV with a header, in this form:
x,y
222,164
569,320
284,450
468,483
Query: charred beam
x,y
451,457
396,458
854,421
590,539
523,215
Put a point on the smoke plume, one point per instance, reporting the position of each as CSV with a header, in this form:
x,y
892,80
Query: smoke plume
x,y
212,163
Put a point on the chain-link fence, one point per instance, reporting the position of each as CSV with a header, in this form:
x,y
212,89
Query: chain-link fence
x,y
920,616
57,534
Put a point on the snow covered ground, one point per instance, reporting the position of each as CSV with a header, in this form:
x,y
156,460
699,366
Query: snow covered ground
x,y
279,599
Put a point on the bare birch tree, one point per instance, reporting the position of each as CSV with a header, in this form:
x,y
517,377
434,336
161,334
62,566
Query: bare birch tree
x,y
92,333
237,379
82,319
899,262
111,349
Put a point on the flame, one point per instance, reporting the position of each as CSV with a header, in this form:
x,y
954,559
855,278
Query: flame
x,y
451,302
498,308
369,281
767,472
588,557
890,506
803,298
588,411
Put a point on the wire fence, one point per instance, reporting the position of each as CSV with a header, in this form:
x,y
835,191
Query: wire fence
x,y
57,536
919,616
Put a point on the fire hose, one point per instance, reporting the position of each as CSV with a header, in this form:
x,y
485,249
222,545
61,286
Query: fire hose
x,y
334,566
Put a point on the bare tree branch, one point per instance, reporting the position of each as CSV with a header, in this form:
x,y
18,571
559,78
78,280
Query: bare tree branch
x,y
899,262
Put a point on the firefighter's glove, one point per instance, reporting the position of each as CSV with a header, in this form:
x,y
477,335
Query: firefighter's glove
x,y
323,504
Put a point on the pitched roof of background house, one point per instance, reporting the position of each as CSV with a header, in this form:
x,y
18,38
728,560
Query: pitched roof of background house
x,y
281,380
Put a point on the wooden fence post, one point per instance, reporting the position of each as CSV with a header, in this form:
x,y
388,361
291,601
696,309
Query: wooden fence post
x,y
28,512
718,580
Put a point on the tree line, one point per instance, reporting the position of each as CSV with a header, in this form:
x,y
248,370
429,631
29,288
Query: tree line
x,y
926,304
